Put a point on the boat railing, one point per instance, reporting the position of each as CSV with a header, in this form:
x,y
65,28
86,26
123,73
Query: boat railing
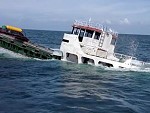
x,y
96,25
122,56
113,33
89,23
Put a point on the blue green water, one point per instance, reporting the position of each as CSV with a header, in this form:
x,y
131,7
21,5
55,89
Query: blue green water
x,y
35,86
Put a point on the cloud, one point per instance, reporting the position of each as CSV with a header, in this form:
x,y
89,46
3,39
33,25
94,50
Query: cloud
x,y
116,14
125,21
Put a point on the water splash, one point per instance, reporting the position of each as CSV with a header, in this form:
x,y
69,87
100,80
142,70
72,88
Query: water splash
x,y
144,68
133,47
5,53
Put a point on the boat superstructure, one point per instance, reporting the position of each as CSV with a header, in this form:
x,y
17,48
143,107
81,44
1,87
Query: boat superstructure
x,y
90,43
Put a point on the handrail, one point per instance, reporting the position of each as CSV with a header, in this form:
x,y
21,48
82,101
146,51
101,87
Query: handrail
x,y
88,23
95,25
118,55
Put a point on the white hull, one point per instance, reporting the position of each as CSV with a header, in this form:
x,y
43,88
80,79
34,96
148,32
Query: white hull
x,y
90,44
72,51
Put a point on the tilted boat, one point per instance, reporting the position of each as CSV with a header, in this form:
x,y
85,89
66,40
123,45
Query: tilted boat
x,y
13,39
86,44
92,44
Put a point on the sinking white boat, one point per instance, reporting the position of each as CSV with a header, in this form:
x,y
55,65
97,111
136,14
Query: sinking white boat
x,y
92,44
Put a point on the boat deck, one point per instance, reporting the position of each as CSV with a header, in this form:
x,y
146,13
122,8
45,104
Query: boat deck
x,y
28,49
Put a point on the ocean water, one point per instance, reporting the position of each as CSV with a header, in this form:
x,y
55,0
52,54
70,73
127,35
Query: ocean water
x,y
52,86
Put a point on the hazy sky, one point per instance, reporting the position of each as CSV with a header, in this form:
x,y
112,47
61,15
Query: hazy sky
x,y
125,16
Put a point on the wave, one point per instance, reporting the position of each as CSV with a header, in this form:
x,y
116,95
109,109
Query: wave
x,y
5,53
145,68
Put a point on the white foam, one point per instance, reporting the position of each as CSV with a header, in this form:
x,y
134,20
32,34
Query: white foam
x,y
10,54
140,69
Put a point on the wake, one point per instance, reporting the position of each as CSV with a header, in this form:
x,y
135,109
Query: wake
x,y
144,68
4,53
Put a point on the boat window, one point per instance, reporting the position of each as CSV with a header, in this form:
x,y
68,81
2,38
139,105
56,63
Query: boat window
x,y
113,41
105,64
72,57
72,30
82,32
81,35
75,31
97,36
87,60
89,33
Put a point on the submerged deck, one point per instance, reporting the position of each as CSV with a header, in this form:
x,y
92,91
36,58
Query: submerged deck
x,y
26,48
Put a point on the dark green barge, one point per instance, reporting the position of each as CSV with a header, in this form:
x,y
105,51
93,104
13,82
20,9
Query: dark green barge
x,y
13,39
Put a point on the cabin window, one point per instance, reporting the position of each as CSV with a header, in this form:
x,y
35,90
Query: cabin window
x,y
72,57
87,60
89,33
81,35
97,35
75,31
82,32
113,41
72,30
105,64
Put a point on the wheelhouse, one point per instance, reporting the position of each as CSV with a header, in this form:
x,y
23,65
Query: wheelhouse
x,y
86,31
96,36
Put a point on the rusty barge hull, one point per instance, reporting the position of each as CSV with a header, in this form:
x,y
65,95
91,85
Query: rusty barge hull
x,y
26,48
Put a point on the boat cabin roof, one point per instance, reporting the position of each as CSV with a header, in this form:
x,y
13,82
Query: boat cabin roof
x,y
87,27
83,25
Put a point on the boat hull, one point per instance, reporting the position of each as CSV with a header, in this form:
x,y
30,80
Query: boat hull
x,y
74,51
26,48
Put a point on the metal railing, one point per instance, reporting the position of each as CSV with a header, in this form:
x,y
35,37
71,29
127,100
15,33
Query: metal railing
x,y
89,23
97,26
120,56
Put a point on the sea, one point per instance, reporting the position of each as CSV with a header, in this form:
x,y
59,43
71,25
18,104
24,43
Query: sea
x,y
52,86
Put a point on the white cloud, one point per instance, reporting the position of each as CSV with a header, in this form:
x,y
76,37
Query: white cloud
x,y
114,13
125,21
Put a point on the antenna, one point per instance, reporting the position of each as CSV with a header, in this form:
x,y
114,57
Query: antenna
x,y
89,21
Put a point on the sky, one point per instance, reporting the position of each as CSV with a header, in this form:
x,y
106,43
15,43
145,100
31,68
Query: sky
x,y
124,16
